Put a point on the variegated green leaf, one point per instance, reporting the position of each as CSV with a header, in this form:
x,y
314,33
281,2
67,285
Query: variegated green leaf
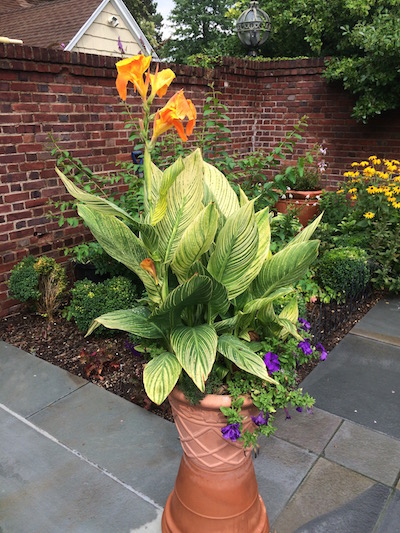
x,y
195,349
184,201
257,304
135,321
197,290
264,241
285,268
120,243
95,202
228,324
235,251
288,327
307,232
219,303
242,197
195,241
109,208
160,376
239,353
291,313
168,178
218,190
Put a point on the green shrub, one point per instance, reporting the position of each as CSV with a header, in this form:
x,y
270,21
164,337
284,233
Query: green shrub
x,y
40,282
344,270
90,300
24,281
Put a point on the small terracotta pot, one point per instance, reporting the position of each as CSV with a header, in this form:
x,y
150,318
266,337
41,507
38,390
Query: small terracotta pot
x,y
216,489
305,203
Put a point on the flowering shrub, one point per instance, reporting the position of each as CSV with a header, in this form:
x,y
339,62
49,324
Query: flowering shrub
x,y
373,187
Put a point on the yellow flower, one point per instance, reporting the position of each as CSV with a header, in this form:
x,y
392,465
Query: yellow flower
x,y
353,190
391,200
364,164
160,81
172,114
369,172
372,157
369,215
371,189
397,179
132,70
354,197
340,191
396,205
355,164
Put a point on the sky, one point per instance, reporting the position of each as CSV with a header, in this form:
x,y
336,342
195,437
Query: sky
x,y
164,7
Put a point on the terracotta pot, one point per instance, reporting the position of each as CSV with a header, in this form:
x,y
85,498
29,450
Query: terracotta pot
x,y
216,489
305,204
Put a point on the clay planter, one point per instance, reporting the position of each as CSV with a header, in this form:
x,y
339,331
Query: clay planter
x,y
305,204
216,489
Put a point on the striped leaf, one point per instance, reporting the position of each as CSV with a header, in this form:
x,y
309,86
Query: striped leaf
x,y
197,290
195,349
235,251
218,190
307,232
285,268
168,178
255,305
184,201
135,321
290,313
243,198
106,207
219,303
288,327
264,241
239,353
120,243
160,376
195,241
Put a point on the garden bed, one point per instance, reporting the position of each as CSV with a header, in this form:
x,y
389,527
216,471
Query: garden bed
x,y
109,362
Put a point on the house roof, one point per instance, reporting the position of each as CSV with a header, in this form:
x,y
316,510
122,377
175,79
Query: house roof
x,y
53,23
47,24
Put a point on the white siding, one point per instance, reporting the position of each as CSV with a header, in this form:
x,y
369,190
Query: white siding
x,y
102,38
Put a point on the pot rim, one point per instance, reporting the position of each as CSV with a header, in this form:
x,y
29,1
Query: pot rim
x,y
210,401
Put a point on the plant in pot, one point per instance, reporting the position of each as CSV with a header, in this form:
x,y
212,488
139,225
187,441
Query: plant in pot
x,y
301,185
203,255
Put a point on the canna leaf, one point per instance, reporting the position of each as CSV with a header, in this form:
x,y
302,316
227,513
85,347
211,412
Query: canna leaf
x,y
135,321
160,376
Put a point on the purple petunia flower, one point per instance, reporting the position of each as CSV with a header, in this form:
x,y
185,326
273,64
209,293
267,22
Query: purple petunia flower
x,y
131,347
305,346
299,409
260,419
321,349
271,361
288,417
306,326
231,431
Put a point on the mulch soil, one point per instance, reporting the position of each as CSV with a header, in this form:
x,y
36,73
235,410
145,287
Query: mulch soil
x,y
109,362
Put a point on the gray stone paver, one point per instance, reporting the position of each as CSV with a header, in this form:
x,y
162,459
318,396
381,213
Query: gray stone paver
x,y
28,384
46,488
367,452
280,467
382,322
140,448
360,381
311,431
327,488
391,520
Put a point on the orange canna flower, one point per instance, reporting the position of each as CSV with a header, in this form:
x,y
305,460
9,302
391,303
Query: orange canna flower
x,y
149,266
132,69
160,81
172,114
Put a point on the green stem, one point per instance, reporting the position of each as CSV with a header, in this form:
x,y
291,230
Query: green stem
x,y
147,180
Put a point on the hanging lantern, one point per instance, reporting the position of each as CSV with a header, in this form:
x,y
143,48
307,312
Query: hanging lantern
x,y
253,27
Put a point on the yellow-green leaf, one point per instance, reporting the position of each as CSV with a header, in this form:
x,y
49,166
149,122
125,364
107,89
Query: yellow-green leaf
x,y
160,376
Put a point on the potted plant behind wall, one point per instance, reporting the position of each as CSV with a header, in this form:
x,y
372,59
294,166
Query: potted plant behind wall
x,y
302,185
203,255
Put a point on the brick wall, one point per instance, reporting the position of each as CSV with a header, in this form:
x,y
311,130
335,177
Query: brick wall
x,y
74,97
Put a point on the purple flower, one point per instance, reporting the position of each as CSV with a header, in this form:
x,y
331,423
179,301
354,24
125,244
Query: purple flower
x,y
120,46
272,362
231,431
131,347
260,419
306,326
321,349
299,409
305,346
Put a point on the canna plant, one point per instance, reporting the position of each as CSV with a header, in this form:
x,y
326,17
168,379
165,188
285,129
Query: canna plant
x,y
202,253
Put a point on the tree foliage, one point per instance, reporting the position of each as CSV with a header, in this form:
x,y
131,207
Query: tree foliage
x,y
146,15
199,27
